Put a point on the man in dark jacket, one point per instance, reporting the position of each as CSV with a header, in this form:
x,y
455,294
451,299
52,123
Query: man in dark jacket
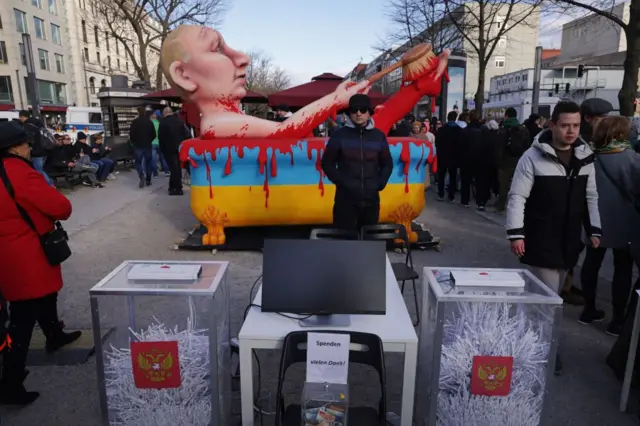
x,y
477,164
513,141
142,132
357,160
446,141
32,127
592,110
171,132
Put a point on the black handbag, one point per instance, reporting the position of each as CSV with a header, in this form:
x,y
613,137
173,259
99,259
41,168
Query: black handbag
x,y
54,243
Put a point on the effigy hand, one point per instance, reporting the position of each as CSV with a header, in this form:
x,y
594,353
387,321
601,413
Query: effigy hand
x,y
348,88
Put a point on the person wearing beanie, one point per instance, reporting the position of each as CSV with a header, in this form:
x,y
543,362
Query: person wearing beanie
x,y
592,110
28,281
156,154
82,162
357,160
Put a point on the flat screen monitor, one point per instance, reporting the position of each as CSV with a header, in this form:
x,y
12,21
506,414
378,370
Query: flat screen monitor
x,y
324,277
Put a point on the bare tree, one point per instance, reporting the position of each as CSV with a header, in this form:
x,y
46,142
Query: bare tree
x,y
264,77
483,23
629,90
140,26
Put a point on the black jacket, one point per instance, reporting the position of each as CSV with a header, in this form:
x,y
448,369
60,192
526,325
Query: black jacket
x,y
60,157
357,160
447,145
142,132
84,148
550,204
171,132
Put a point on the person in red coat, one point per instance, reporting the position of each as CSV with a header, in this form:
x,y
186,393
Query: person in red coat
x,y
27,281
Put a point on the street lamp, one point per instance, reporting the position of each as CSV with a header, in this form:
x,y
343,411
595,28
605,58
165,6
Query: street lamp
x,y
32,84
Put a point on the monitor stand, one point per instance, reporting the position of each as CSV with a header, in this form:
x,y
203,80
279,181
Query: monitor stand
x,y
326,321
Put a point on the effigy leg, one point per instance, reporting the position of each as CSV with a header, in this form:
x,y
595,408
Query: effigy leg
x,y
215,221
404,216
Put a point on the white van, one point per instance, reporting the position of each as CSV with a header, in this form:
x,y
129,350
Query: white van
x,y
8,115
83,119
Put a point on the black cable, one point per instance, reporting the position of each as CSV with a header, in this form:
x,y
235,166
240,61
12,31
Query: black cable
x,y
253,287
257,397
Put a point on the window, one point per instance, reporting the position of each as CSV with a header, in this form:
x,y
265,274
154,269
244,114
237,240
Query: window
x,y
106,40
52,93
95,117
117,48
6,94
37,3
500,61
103,83
4,59
59,63
43,56
84,31
96,36
525,77
53,7
126,66
119,63
98,58
39,27
0,22
55,34
92,85
502,42
21,21
109,62
23,55
86,54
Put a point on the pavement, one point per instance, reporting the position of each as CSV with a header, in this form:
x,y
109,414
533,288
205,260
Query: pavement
x,y
121,222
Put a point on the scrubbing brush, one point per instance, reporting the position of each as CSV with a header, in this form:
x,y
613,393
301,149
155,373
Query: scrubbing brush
x,y
414,63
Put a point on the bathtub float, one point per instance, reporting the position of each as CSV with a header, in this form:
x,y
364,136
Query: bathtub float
x,y
257,182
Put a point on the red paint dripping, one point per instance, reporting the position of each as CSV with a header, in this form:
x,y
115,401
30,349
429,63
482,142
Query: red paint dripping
x,y
227,165
206,165
405,157
421,158
317,146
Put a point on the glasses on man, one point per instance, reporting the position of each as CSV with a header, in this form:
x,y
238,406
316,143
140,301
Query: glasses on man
x,y
358,110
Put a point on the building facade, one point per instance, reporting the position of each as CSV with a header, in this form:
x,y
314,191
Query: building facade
x,y
73,54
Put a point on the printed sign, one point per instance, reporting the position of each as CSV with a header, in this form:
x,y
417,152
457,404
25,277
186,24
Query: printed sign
x,y
491,375
155,365
327,358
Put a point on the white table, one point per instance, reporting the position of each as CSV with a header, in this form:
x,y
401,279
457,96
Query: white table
x,y
268,330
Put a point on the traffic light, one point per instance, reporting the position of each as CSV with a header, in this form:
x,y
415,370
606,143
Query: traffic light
x,y
580,70
557,88
567,87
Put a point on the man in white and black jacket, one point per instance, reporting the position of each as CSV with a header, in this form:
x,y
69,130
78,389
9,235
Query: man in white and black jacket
x,y
553,197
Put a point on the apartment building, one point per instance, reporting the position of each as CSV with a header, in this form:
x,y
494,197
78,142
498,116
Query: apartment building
x,y
46,22
74,54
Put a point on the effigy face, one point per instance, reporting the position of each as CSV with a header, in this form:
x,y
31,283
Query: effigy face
x,y
246,171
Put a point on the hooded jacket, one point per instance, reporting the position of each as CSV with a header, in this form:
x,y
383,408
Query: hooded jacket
x,y
549,203
358,161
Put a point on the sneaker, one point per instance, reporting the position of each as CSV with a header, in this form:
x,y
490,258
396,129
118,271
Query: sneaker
x,y
148,183
141,184
481,208
85,183
111,176
98,185
16,394
167,174
176,192
464,205
591,315
439,198
572,298
614,328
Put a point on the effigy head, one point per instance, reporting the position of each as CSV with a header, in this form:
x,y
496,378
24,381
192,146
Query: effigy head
x,y
200,66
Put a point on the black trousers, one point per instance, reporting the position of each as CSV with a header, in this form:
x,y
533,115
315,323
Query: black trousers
x,y
453,181
173,161
622,277
466,178
352,216
483,181
23,316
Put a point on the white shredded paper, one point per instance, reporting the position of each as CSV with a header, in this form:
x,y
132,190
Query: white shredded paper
x,y
190,404
492,329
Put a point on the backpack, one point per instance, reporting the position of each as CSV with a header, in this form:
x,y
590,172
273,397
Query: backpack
x,y
518,141
40,136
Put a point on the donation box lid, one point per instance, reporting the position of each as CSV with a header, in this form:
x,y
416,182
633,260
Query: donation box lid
x,y
118,281
442,281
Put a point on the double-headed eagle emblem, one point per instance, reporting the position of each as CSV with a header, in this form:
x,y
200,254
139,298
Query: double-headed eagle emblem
x,y
157,367
492,377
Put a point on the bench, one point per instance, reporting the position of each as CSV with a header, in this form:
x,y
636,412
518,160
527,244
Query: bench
x,y
68,178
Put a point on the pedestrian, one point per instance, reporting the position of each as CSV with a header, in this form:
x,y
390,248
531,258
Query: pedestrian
x,y
514,140
28,280
617,168
446,141
553,197
82,162
357,160
171,132
141,134
157,152
32,127
478,164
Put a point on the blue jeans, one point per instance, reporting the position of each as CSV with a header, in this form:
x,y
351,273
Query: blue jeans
x,y
156,153
38,164
105,166
144,162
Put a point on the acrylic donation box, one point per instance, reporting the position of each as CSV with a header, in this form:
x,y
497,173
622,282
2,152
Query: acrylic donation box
x,y
161,332
487,347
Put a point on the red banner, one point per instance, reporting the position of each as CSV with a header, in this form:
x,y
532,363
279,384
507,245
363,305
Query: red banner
x,y
155,365
491,375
